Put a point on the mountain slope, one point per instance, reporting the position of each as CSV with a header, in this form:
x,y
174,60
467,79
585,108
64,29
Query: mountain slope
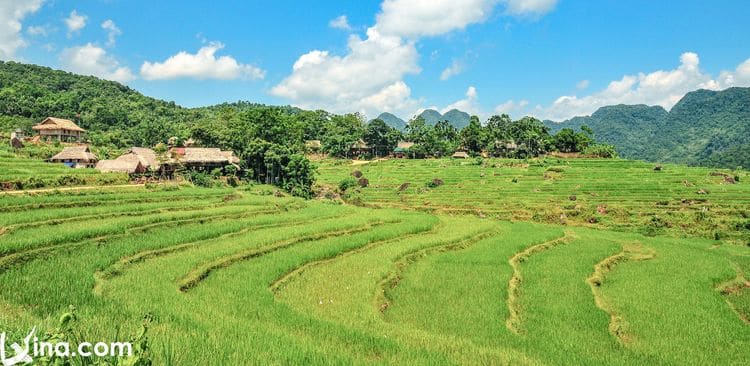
x,y
704,127
392,120
456,118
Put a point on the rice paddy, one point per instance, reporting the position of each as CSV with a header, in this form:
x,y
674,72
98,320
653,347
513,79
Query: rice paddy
x,y
240,276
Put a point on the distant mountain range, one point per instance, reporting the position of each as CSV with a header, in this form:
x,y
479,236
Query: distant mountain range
x,y
456,118
704,128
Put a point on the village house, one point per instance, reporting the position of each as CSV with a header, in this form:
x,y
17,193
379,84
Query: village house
x,y
137,160
75,157
402,149
460,155
198,158
359,148
59,129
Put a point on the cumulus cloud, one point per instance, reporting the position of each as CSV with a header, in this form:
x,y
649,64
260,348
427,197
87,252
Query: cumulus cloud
x,y
37,30
454,69
369,78
12,13
512,108
340,22
529,7
583,84
92,60
75,22
664,88
419,18
112,31
470,104
202,65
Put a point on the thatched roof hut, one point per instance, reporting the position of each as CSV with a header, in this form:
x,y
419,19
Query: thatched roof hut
x,y
405,145
146,156
360,145
59,129
75,156
124,164
460,155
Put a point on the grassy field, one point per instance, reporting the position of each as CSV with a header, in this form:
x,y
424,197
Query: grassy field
x,y
239,276
24,173
621,195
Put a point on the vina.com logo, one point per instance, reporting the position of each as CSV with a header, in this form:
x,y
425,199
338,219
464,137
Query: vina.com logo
x,y
31,347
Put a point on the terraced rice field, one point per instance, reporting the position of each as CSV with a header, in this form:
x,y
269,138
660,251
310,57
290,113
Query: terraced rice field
x,y
614,194
21,173
242,277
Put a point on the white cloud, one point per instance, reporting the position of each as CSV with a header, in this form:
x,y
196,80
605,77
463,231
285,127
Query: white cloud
x,y
37,30
512,108
369,78
454,69
202,65
112,31
664,88
419,18
12,13
340,22
75,22
583,84
470,104
93,60
529,7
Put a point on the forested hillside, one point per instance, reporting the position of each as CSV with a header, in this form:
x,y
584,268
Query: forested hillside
x,y
704,128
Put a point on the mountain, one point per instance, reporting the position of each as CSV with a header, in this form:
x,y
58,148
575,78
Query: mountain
x,y
456,118
431,116
704,128
392,120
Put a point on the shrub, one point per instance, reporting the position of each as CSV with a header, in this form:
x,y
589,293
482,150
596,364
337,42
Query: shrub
x,y
201,179
231,170
601,151
556,169
434,183
347,183
657,168
357,174
363,182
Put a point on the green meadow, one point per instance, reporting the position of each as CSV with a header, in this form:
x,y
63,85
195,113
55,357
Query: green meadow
x,y
507,262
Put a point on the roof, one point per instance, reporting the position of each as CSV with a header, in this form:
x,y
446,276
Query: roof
x,y
313,144
145,155
360,144
52,123
405,145
460,154
230,157
201,155
127,165
81,153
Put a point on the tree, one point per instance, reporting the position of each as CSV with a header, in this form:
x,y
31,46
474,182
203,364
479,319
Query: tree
x,y
381,137
341,132
472,136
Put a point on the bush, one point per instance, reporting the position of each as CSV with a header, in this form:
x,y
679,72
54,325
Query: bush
x,y
601,151
434,183
657,168
201,179
357,174
363,182
347,183
556,169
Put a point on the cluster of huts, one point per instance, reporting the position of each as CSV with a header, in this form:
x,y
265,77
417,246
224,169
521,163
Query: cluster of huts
x,y
136,160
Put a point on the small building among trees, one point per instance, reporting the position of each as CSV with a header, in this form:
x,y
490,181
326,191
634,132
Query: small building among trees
x,y
402,149
313,146
76,157
460,155
359,148
59,129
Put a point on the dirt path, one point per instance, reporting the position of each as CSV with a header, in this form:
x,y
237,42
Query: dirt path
x,y
81,188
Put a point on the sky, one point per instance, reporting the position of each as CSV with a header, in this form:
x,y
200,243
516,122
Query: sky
x,y
552,59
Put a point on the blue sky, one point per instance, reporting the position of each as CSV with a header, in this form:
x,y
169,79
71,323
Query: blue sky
x,y
548,58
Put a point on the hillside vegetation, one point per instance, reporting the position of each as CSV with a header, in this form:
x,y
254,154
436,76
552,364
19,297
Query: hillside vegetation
x,y
709,128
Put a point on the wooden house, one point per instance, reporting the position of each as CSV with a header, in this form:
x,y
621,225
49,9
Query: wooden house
x,y
59,129
75,157
359,148
198,158
129,164
402,149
